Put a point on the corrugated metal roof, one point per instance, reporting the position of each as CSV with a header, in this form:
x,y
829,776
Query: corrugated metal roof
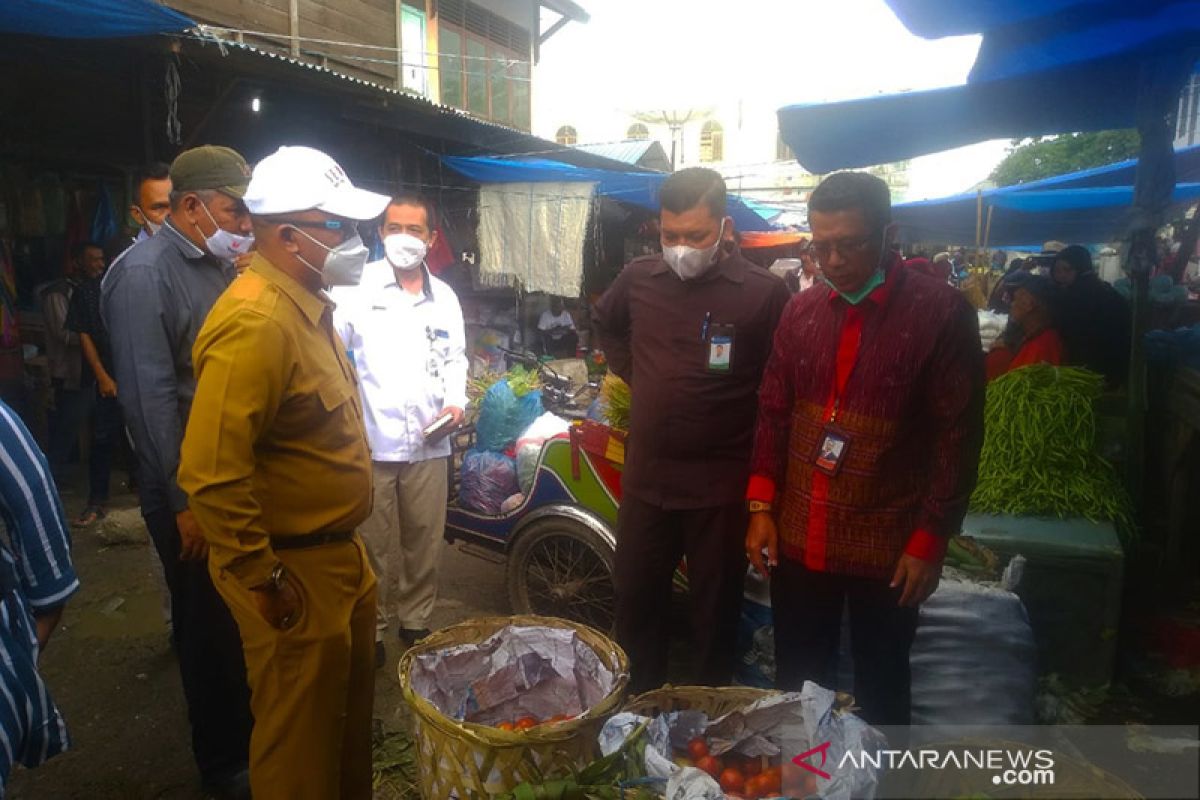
x,y
630,151
208,35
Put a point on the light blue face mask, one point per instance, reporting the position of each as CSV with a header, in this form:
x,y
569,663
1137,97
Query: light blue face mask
x,y
874,282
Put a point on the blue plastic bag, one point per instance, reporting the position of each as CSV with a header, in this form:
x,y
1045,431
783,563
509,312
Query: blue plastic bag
x,y
503,416
488,479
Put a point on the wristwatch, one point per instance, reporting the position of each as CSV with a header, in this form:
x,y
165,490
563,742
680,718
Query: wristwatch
x,y
756,506
274,581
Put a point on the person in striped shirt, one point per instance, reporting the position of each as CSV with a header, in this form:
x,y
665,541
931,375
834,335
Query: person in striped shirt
x,y
36,579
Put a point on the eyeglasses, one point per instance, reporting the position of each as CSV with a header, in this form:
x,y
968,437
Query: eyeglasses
x,y
345,227
845,248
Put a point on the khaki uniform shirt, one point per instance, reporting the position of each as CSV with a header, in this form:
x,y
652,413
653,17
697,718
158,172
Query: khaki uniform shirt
x,y
275,445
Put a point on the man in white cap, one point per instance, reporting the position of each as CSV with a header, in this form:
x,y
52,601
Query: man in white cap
x,y
404,330
277,466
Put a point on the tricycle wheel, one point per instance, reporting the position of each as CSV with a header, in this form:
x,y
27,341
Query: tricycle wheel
x,y
559,567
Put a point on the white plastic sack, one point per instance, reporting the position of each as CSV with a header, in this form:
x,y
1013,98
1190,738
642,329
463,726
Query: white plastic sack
x,y
529,446
974,661
756,729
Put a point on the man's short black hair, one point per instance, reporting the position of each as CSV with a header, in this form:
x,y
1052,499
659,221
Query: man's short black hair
x,y
1078,257
410,198
154,171
847,191
78,249
691,187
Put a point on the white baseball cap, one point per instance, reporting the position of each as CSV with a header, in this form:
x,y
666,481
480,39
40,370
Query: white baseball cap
x,y
304,179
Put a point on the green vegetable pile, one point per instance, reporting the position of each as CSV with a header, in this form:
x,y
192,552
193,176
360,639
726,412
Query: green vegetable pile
x,y
613,777
1039,454
616,398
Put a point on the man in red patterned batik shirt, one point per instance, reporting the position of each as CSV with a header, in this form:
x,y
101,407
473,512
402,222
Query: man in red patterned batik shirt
x,y
869,429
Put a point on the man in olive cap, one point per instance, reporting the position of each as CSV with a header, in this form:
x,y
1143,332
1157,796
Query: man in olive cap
x,y
278,467
155,300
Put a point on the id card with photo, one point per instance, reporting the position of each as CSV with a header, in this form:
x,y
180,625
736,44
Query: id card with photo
x,y
831,451
720,348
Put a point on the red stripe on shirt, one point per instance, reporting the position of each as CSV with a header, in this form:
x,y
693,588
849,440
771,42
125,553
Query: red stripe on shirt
x,y
847,354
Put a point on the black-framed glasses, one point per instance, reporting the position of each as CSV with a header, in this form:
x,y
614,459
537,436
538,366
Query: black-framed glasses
x,y
844,247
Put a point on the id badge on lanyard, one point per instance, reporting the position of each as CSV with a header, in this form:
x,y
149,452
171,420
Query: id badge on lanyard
x,y
719,345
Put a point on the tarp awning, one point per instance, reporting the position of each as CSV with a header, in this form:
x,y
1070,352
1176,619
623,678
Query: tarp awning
x,y
1088,206
94,19
1045,66
636,188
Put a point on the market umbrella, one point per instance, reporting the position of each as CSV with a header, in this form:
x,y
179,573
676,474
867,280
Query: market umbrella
x,y
1044,66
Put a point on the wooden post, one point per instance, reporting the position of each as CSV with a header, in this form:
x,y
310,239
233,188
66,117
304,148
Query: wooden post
x,y
294,27
399,44
987,229
978,218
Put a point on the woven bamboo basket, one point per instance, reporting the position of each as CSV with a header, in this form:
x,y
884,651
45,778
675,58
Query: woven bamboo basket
x,y
712,700
475,762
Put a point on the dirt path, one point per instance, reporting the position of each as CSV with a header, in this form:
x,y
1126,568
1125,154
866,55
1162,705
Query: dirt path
x,y
112,672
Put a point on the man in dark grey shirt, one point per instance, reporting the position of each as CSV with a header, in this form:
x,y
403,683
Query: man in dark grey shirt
x,y
154,301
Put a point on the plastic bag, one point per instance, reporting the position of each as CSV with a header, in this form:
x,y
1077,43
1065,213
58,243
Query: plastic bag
x,y
488,479
503,416
974,660
529,445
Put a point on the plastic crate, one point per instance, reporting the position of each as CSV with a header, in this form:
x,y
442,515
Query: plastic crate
x,y
1071,588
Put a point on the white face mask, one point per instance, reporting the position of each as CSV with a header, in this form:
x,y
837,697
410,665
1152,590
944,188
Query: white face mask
x,y
223,244
690,263
404,251
149,226
343,264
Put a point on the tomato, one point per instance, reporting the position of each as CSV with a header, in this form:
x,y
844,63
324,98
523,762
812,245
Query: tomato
x,y
525,723
697,749
709,764
809,784
773,779
751,766
755,787
732,779
505,726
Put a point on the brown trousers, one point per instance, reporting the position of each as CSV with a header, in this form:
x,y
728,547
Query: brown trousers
x,y
650,542
312,687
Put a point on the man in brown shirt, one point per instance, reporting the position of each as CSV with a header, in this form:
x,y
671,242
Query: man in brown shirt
x,y
690,331
276,464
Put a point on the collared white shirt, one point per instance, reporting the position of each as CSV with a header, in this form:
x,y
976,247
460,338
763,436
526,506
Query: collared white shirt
x,y
410,353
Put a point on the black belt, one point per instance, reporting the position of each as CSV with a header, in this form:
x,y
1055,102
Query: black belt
x,y
306,540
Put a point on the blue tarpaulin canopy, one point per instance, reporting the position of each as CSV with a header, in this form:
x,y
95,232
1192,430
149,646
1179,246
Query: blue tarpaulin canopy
x,y
1087,216
636,188
1090,206
1045,66
93,19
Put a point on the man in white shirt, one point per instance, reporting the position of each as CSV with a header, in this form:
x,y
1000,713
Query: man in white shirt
x,y
403,329
558,330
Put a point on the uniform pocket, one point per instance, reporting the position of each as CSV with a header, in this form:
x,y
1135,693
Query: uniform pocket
x,y
334,394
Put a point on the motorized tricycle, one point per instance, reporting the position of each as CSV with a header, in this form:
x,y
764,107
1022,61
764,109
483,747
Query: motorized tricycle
x,y
558,543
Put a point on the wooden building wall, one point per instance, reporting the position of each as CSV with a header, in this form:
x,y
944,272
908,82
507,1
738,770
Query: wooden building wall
x,y
361,22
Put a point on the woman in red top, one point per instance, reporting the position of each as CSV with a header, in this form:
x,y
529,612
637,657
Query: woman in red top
x,y
1030,337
